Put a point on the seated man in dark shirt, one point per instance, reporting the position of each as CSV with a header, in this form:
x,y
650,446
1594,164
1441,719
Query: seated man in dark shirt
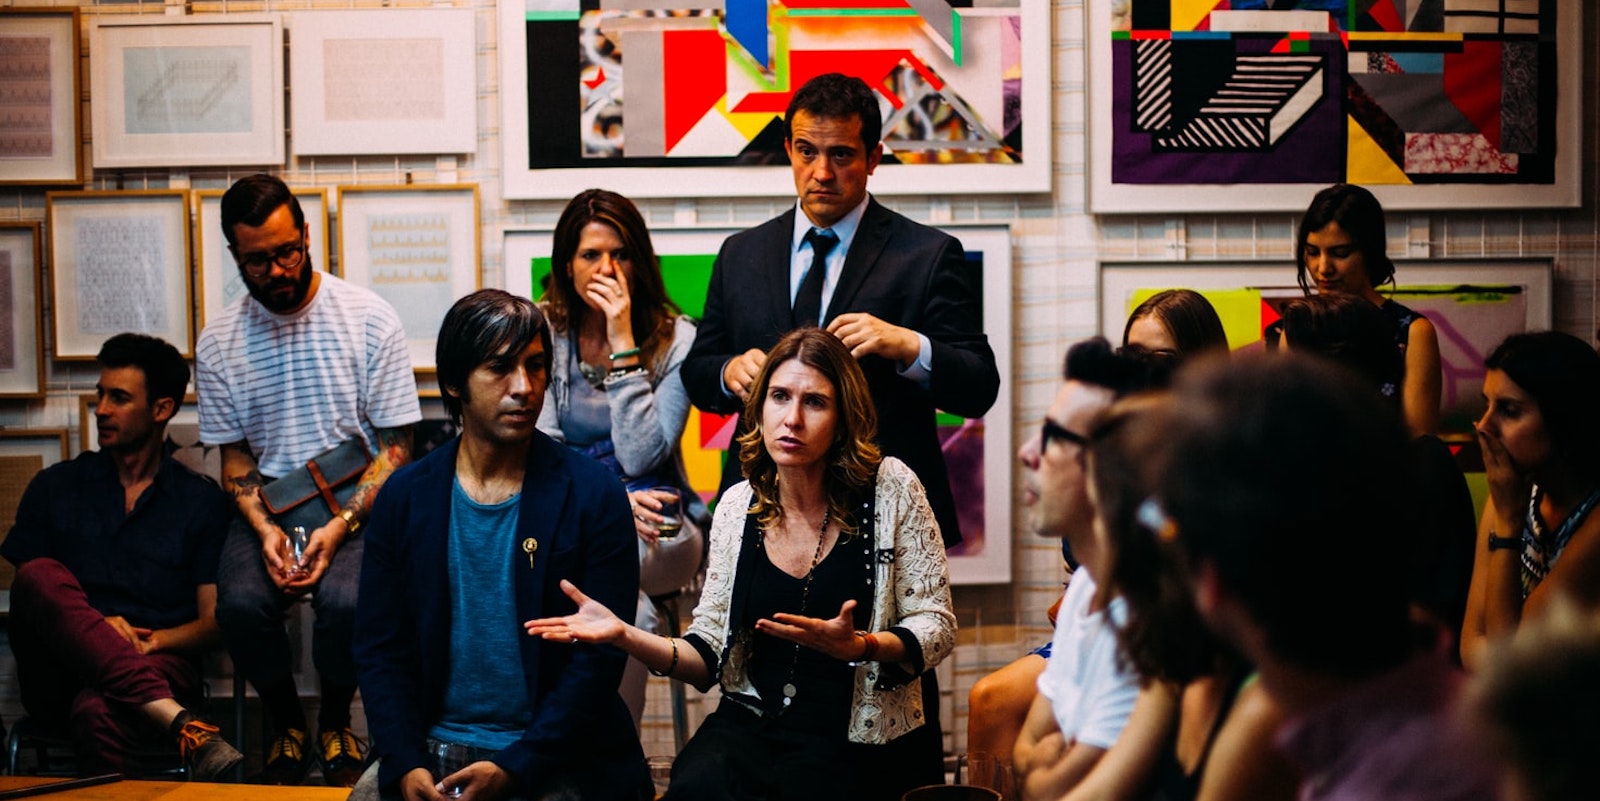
x,y
116,555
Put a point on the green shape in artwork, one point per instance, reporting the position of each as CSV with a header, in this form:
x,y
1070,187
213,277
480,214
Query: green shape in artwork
x,y
686,278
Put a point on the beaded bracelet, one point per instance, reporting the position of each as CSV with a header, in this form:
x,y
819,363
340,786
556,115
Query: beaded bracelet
x,y
670,666
624,372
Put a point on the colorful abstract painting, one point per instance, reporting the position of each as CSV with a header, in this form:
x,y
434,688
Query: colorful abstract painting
x,y
1385,93
687,86
977,452
1472,306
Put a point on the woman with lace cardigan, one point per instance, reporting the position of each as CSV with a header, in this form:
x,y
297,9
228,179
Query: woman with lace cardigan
x,y
826,597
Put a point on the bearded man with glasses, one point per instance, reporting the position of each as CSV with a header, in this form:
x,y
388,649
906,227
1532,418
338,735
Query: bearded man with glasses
x,y
303,365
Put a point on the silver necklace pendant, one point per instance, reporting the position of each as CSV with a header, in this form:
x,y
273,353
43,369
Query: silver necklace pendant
x,y
788,693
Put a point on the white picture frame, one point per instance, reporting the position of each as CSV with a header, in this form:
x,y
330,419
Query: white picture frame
x,y
429,240
1106,197
42,141
520,180
985,556
187,91
119,261
1472,303
216,278
22,312
380,81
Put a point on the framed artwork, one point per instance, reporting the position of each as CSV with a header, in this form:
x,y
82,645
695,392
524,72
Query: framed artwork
x,y
217,281
23,453
1432,105
1473,304
977,452
417,247
965,91
21,312
119,262
387,80
436,427
41,120
187,91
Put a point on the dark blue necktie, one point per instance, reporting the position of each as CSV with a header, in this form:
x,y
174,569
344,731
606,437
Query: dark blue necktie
x,y
808,301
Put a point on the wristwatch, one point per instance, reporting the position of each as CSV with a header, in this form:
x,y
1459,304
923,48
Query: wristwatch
x,y
351,524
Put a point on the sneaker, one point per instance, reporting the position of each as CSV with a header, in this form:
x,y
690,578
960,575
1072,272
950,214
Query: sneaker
x,y
206,756
342,757
287,761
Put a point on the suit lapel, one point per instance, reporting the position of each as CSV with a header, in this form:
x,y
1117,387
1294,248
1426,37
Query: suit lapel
x,y
540,520
774,270
870,240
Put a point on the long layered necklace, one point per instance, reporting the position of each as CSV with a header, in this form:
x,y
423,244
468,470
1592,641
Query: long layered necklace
x,y
789,690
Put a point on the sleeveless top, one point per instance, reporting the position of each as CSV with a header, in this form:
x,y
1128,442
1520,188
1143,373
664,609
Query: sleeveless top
x,y
1171,782
1402,318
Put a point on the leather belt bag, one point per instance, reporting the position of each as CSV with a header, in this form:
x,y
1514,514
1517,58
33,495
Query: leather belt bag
x,y
312,495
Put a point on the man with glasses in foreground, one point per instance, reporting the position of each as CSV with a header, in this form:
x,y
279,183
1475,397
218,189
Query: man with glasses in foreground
x,y
1085,696
302,365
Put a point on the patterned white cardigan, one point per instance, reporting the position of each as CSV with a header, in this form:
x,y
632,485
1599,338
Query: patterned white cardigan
x,y
911,593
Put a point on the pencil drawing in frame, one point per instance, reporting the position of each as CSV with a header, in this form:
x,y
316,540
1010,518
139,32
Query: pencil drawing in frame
x,y
417,247
21,307
119,262
187,91
41,120
384,80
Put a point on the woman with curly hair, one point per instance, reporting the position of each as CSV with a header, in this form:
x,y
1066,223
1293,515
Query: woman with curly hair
x,y
818,667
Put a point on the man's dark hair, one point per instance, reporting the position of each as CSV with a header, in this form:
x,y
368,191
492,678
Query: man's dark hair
x,y
835,96
479,327
252,199
166,374
1093,361
1268,468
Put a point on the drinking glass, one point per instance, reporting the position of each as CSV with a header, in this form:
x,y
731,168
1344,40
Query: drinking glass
x,y
298,540
671,511
448,758
660,772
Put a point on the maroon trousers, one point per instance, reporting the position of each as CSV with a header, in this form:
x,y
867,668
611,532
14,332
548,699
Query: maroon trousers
x,y
79,677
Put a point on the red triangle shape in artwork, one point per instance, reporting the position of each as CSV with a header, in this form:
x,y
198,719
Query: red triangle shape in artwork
x,y
717,430
694,77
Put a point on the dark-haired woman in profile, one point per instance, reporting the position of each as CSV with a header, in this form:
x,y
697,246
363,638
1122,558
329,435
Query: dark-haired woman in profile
x,y
826,597
1540,435
1341,247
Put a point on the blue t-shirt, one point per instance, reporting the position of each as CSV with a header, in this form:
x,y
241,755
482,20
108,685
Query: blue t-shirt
x,y
486,699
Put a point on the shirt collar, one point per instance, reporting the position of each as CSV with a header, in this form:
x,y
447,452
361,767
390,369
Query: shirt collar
x,y
845,228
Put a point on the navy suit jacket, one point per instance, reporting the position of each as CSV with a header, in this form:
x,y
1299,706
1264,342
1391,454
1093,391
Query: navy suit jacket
x,y
579,515
897,270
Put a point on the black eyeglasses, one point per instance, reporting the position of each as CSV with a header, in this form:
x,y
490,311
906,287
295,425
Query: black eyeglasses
x,y
258,265
1052,430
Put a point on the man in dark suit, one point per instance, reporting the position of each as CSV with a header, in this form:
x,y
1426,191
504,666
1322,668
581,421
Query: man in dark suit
x,y
463,546
898,293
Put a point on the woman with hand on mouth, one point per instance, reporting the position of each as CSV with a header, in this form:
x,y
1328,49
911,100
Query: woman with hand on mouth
x,y
826,597
615,395
1341,246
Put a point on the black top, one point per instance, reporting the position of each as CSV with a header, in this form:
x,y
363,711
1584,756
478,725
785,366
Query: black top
x,y
144,565
823,684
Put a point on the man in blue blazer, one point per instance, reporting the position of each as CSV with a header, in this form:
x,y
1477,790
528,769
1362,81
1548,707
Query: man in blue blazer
x,y
463,546
901,295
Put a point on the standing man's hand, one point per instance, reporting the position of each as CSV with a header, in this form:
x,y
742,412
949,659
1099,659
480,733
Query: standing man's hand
x,y
739,374
866,335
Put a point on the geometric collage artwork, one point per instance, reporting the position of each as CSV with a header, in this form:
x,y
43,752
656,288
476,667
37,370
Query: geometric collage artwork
x,y
1326,91
679,83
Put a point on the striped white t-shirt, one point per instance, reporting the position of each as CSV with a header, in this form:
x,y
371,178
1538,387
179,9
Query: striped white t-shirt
x,y
296,385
